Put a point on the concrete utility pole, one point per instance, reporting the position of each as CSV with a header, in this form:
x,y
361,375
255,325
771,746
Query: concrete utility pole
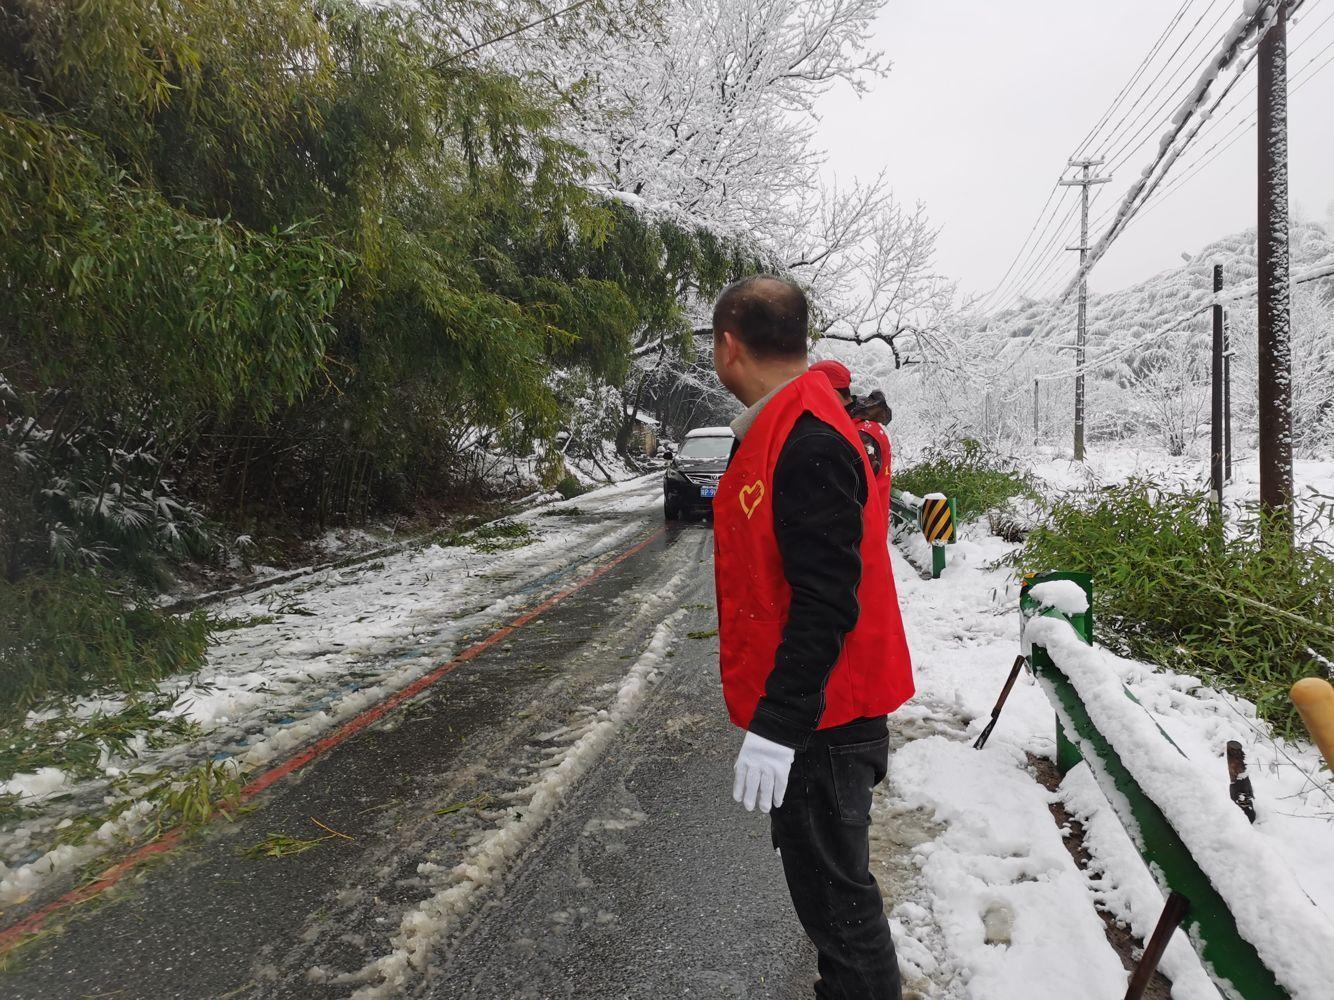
x,y
1085,180
1275,347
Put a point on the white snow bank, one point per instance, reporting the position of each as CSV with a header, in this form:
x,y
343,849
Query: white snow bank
x,y
1124,887
34,786
1000,871
1247,865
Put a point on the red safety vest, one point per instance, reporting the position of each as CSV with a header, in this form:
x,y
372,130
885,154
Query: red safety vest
x,y
878,434
873,675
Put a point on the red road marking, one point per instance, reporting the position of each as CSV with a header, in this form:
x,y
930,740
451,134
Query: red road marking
x,y
13,935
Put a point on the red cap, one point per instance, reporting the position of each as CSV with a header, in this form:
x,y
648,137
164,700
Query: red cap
x,y
837,373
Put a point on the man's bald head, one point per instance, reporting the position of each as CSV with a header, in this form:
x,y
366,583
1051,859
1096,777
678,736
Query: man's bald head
x,y
768,315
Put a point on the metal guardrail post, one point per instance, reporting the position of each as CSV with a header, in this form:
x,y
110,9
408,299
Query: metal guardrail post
x,y
903,513
937,522
932,515
1067,753
1209,923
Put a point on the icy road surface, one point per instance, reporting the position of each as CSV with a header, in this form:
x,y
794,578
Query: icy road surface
x,y
551,819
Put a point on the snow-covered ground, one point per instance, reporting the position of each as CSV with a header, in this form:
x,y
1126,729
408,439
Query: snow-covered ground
x,y
309,655
1314,478
994,907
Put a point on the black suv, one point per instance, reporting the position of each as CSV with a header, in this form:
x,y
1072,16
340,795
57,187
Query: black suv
x,y
693,472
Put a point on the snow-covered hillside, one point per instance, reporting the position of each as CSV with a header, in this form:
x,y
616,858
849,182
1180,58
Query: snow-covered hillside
x,y
1148,362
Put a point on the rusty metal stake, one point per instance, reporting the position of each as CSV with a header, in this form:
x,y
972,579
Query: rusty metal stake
x,y
1174,912
1239,785
1000,702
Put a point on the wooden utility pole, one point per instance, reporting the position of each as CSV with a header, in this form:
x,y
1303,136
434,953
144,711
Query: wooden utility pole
x,y
1084,181
1275,347
1216,443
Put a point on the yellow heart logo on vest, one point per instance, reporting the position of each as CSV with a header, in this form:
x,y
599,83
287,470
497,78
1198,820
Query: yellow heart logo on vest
x,y
751,496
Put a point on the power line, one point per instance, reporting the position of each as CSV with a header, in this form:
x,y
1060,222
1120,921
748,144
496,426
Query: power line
x,y
441,63
1043,257
1134,78
1168,155
1216,121
1033,261
1032,255
1134,113
1025,255
1038,275
1242,127
1153,114
1051,195
1170,149
1045,278
1050,250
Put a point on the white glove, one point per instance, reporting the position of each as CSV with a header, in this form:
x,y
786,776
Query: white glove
x,y
761,772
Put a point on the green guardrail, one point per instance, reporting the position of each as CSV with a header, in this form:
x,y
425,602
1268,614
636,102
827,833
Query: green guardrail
x,y
1230,959
933,515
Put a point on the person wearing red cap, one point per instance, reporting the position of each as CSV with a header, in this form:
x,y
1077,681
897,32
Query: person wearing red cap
x,y
839,377
811,643
874,438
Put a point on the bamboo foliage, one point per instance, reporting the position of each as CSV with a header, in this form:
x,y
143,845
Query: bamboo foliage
x,y
298,259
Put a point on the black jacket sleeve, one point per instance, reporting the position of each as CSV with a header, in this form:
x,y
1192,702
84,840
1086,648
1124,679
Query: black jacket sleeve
x,y
819,493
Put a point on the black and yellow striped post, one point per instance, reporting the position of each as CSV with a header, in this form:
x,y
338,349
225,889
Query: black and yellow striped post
x,y
937,521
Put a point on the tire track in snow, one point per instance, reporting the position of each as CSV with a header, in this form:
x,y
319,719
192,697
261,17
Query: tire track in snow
x,y
435,918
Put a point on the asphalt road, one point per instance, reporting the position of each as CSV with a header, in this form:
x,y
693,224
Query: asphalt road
x,y
644,881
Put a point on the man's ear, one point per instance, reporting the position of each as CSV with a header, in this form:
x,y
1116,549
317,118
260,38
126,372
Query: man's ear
x,y
722,348
735,348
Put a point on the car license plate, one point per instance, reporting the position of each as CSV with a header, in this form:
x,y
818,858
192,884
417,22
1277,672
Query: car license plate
x,y
707,491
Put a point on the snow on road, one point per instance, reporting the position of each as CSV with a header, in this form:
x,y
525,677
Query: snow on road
x,y
578,747
309,654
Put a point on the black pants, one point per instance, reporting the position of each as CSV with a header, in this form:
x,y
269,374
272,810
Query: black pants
x,y
822,832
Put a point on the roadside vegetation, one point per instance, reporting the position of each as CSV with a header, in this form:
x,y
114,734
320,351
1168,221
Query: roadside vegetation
x,y
1172,588
978,479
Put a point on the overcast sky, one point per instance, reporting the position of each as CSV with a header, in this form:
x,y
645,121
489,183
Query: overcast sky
x,y
987,100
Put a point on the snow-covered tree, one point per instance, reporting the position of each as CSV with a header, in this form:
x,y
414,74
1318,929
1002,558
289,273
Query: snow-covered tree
x,y
706,110
702,112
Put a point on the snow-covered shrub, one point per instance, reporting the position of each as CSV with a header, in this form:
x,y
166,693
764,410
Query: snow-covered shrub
x,y
1171,588
1170,389
83,496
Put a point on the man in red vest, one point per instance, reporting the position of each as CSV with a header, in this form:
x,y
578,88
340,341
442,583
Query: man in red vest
x,y
812,649
865,414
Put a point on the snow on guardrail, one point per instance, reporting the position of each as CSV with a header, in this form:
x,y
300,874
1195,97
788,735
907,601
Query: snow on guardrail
x,y
1247,866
